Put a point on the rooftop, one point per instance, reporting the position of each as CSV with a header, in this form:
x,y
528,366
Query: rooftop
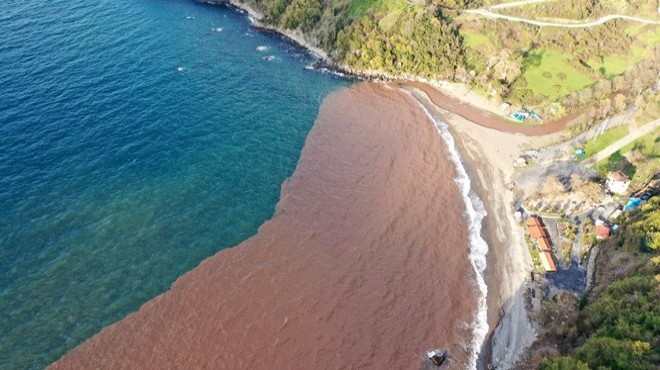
x,y
533,221
602,230
543,244
548,262
617,176
536,231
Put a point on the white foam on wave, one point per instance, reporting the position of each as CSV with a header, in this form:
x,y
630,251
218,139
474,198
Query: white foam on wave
x,y
180,69
475,213
218,29
324,70
262,48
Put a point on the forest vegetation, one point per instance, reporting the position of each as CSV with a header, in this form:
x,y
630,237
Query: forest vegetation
x,y
617,325
597,71
580,10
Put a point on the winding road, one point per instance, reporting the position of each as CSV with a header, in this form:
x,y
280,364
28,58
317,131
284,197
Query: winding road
x,y
487,13
617,145
515,3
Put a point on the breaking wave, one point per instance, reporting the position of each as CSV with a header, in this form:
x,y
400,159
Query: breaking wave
x,y
324,70
475,213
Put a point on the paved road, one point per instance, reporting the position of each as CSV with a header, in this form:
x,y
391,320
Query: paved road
x,y
515,3
632,136
488,14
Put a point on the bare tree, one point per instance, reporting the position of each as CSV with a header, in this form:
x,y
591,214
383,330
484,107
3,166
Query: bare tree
x,y
576,182
553,186
591,192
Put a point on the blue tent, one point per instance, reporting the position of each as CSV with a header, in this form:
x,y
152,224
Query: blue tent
x,y
633,203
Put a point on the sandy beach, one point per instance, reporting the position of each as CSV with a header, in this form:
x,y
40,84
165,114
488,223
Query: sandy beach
x,y
489,154
364,265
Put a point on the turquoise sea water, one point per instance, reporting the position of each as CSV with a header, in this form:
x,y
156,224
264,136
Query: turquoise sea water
x,y
137,137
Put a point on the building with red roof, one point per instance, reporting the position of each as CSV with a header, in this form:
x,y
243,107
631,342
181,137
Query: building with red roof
x,y
537,232
543,244
603,232
548,262
535,229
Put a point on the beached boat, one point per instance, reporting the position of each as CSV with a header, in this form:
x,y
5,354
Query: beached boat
x,y
436,356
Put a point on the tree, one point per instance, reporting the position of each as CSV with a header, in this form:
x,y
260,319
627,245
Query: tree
x,y
591,191
563,363
507,67
635,156
614,354
553,186
641,231
303,14
576,182
619,103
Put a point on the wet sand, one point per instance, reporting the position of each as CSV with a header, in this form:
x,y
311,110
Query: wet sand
x,y
488,155
483,118
364,265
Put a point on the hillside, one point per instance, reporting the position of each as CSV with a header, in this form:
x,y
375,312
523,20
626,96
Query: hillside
x,y
616,325
553,70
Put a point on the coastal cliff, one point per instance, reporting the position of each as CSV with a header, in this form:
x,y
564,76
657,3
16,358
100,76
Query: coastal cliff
x,y
342,36
555,71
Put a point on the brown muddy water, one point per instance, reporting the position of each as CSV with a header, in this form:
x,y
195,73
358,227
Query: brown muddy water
x,y
364,265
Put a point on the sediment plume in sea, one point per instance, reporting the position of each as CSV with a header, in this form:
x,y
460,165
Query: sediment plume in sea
x,y
364,264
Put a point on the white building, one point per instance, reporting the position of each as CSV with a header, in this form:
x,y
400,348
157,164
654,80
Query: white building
x,y
617,182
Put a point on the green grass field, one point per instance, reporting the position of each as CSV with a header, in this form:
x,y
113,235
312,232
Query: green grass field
x,y
388,21
578,10
648,144
359,8
477,40
614,65
640,172
549,74
594,146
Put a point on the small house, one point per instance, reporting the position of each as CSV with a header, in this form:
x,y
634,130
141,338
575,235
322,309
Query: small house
x,y
602,232
547,262
615,214
535,229
617,182
543,244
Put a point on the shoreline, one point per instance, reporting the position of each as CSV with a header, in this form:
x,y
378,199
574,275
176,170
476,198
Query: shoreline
x,y
344,274
506,315
508,262
456,97
459,93
475,213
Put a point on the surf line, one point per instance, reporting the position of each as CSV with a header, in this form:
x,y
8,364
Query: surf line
x,y
474,213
